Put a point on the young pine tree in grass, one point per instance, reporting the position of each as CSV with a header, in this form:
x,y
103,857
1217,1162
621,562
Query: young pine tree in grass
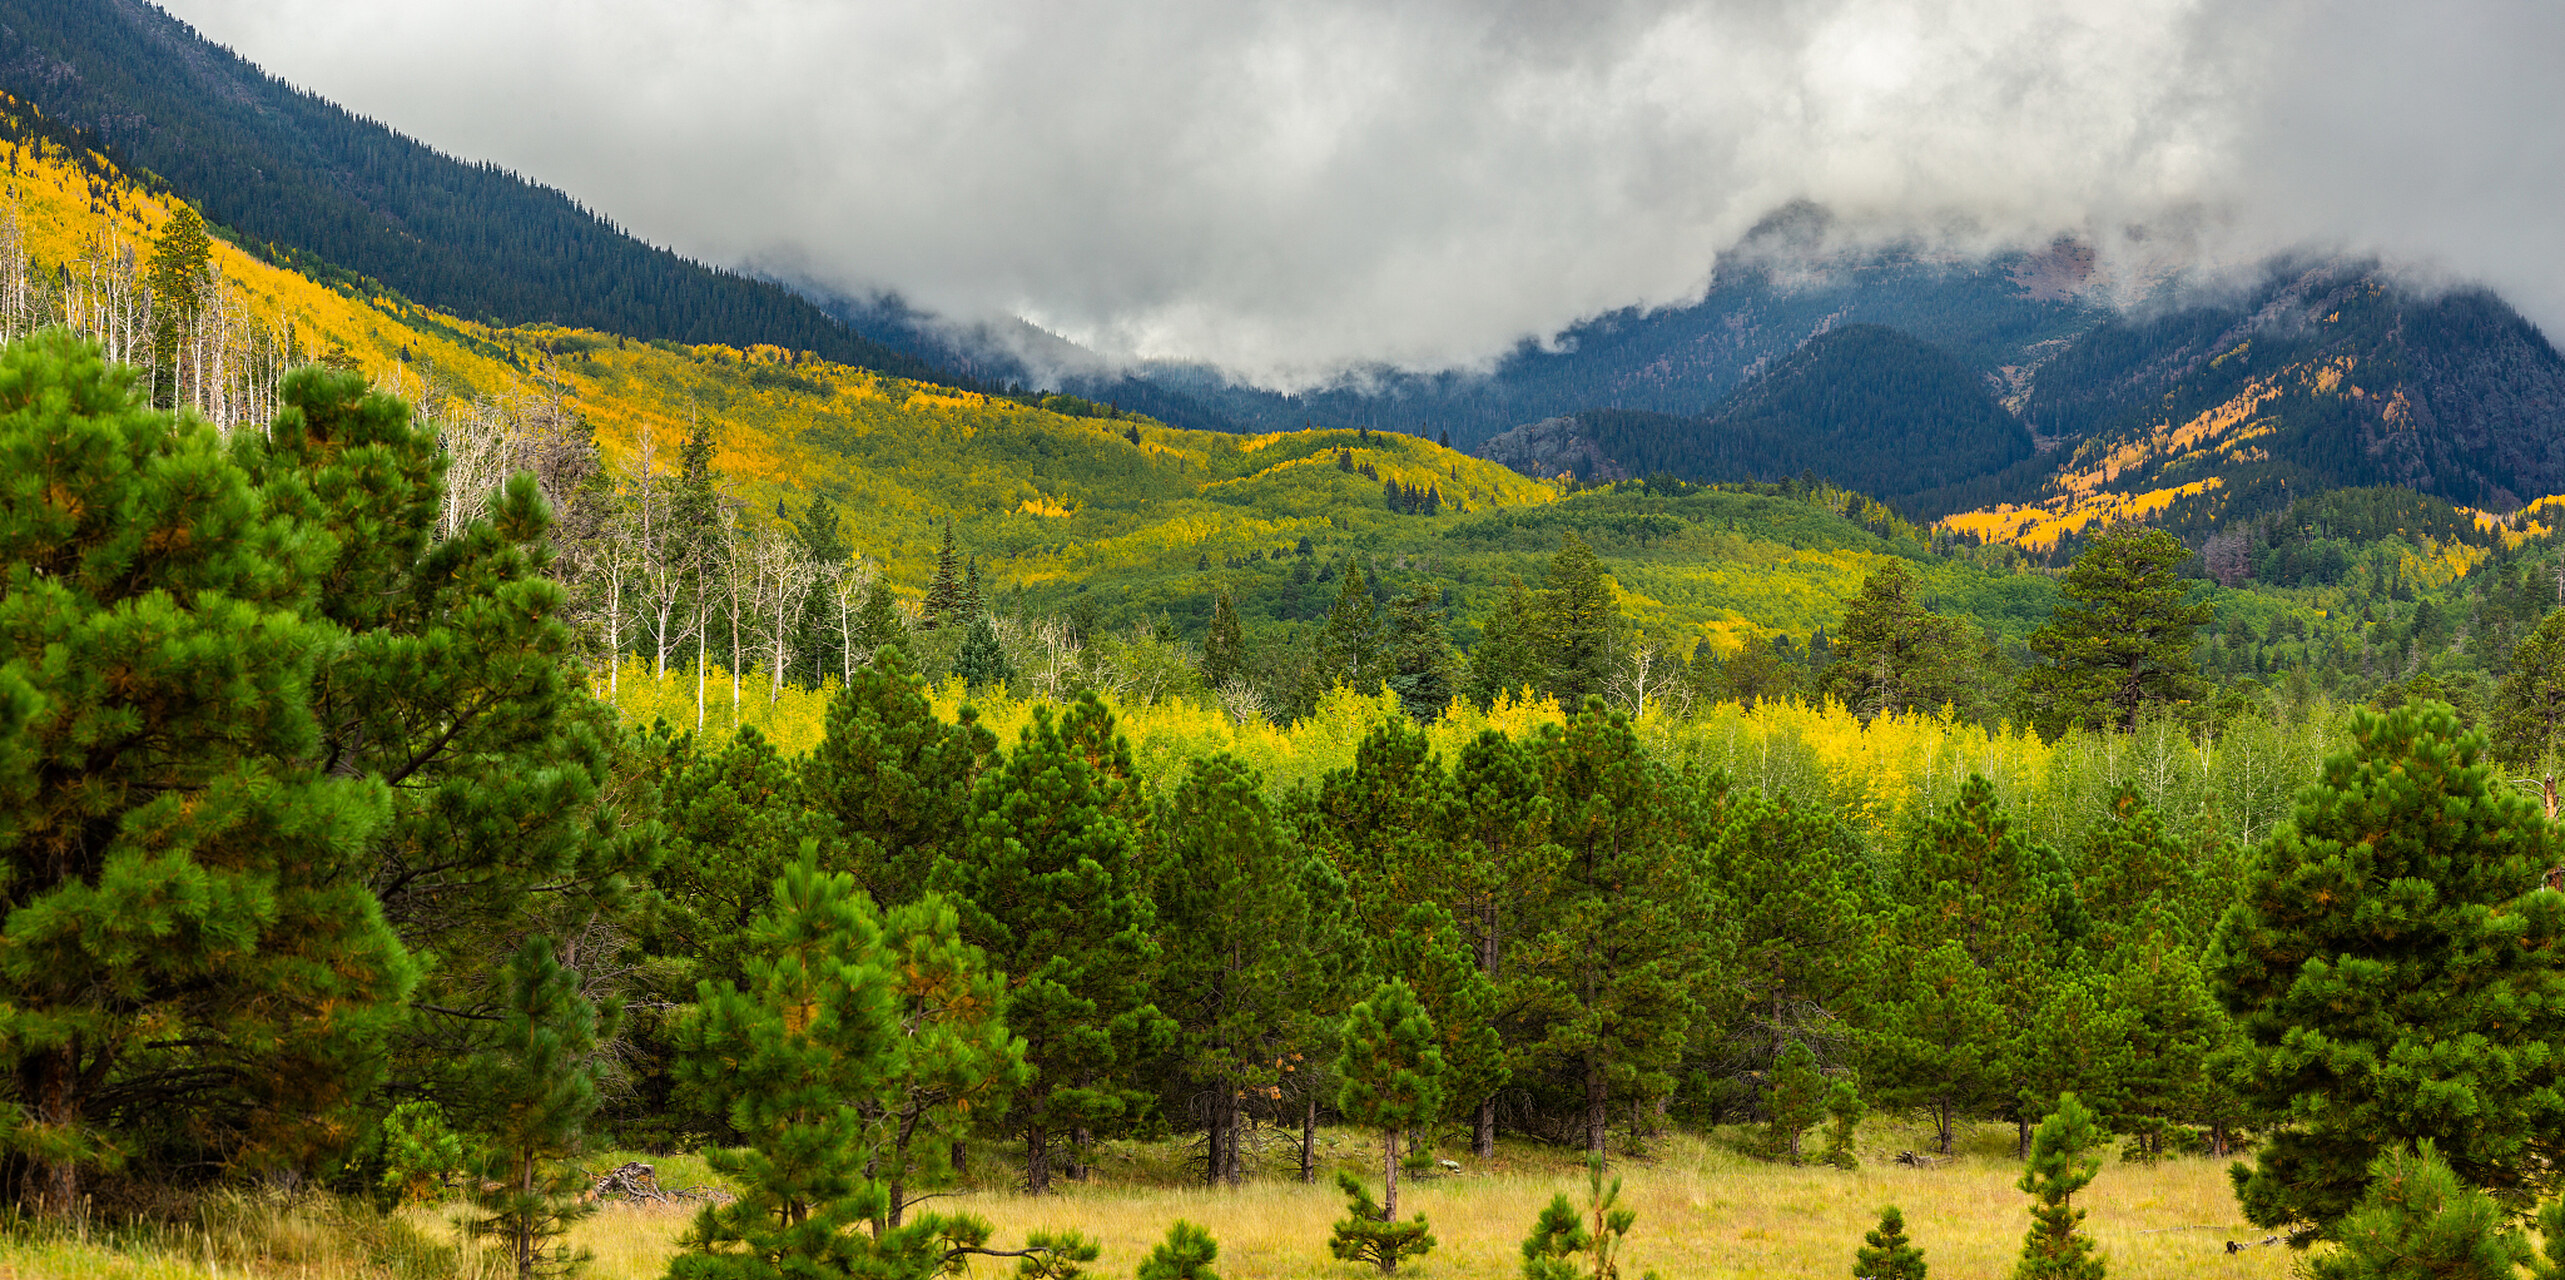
x,y
2417,1219
1844,1111
540,1079
1186,1254
1798,1100
1886,1253
1393,1082
1569,1244
2061,1164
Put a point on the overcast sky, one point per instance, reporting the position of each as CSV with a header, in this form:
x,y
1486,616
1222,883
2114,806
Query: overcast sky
x,y
1290,187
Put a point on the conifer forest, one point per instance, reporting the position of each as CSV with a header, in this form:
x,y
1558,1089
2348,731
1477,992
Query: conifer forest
x,y
525,755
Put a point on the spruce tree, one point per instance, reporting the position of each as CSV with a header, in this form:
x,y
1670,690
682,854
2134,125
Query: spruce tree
x,y
2529,712
1047,884
1392,1069
540,1085
1349,645
2393,966
1224,648
1507,659
1844,1111
982,662
184,868
1419,662
2417,1219
1581,632
2061,1164
1797,1100
1886,1253
2121,640
878,623
944,591
819,640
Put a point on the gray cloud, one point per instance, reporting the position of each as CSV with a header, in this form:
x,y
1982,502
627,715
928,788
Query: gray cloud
x,y
1292,187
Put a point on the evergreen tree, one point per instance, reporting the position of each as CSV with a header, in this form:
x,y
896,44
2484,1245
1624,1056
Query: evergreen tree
x,y
896,778
975,603
1462,1000
2529,711
1937,1036
2061,1164
734,816
944,590
1392,1068
1507,659
2075,1043
2417,1219
1232,921
878,623
2393,966
1349,646
1797,1102
1558,1235
1046,883
1844,1111
1420,661
540,1082
1224,649
176,279
1496,871
1886,1253
1801,936
951,1053
819,638
1581,633
983,663
182,867
1599,1233
1186,1254
2121,640
1892,655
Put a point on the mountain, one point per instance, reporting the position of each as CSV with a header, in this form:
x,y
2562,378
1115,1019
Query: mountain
x,y
1865,406
285,168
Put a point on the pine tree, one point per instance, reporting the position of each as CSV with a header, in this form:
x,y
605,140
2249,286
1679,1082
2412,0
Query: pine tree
x,y
2392,964
1581,632
2121,640
1186,1254
1558,1235
179,868
1392,1069
1046,882
951,1055
1224,649
1938,1037
1419,663
878,623
2418,1219
824,543
1797,1101
1892,655
1507,659
1349,646
944,590
982,662
1886,1253
2061,1164
540,1083
975,604
1844,1112
896,778
1599,1232
1801,939
2529,711
2075,1043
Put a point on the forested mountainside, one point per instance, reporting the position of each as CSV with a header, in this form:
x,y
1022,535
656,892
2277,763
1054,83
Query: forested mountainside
x,y
298,175
1865,406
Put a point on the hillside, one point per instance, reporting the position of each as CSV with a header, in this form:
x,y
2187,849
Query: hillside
x,y
1865,406
289,169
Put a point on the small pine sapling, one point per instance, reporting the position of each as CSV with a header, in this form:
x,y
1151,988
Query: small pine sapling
x,y
1393,1081
1599,1232
1798,1100
1186,1254
1844,1112
1558,1235
1886,1253
1367,1234
1057,1255
2418,1219
420,1153
2061,1163
541,1086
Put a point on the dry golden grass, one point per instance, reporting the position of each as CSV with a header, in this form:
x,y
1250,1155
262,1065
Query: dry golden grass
x,y
1705,1213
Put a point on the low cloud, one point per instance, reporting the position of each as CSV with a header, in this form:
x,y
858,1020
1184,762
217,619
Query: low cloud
x,y
1289,189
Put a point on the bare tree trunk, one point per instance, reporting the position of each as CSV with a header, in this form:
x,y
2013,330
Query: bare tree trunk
x,y
1598,1100
57,1098
1483,1130
1389,1175
1309,1139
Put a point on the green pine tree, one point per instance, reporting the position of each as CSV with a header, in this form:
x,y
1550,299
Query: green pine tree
x,y
183,868
878,623
894,776
1937,1039
1392,1073
1047,882
818,639
540,1083
1349,645
975,603
1224,649
2076,1042
952,1056
1886,1253
1892,655
944,590
1797,1101
2392,966
1844,1112
2529,710
982,662
1507,659
1558,1236
2061,1164
2417,1219
1186,1254
2121,640
1581,633
1419,664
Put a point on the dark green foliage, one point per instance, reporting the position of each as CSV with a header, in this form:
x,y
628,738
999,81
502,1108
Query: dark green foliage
x,y
1558,1235
1581,632
943,603
896,779
1350,648
1057,1255
735,817
1892,654
1938,1035
1224,649
2392,965
1368,1232
878,622
1186,1254
1797,1100
952,1056
1419,666
179,856
421,1153
539,1083
1392,1073
1563,1236
2417,1219
1047,884
2061,1164
1886,1253
2121,641
2529,712
1844,1111
1787,873
983,663
1507,661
